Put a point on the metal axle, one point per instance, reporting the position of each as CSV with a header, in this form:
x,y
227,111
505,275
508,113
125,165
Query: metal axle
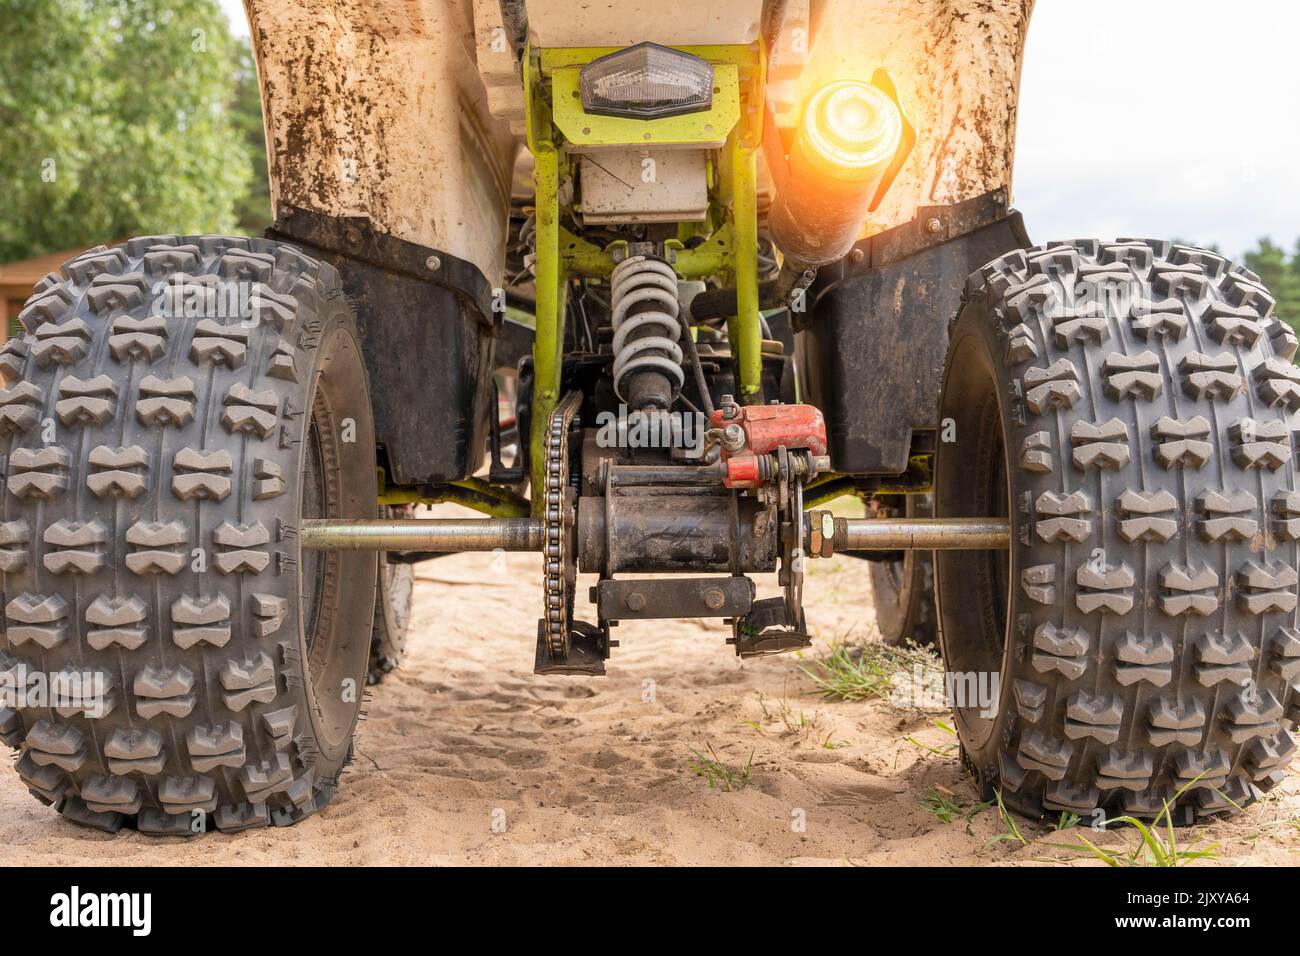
x,y
922,534
442,535
828,534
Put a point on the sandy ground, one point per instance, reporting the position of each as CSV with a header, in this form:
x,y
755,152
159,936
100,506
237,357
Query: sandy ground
x,y
468,758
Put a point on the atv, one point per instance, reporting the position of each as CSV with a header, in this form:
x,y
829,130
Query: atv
x,y
647,290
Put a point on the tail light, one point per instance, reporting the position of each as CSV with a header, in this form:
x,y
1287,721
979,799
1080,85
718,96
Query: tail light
x,y
647,81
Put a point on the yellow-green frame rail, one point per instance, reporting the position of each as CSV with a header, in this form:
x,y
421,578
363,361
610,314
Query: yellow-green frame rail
x,y
730,253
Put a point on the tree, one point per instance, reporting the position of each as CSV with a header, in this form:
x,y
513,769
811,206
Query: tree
x,y
1288,305
253,208
1268,260
1280,274
115,119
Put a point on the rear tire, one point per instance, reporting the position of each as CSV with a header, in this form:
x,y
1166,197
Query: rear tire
x,y
1131,407
902,590
161,452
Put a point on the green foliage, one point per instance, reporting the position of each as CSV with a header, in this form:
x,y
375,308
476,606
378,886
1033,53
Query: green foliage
x,y
1281,274
1012,832
115,119
253,208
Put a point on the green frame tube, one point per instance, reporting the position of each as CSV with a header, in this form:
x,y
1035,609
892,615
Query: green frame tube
x,y
744,329
732,251
548,345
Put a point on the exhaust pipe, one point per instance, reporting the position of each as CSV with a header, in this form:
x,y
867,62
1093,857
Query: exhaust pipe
x,y
848,147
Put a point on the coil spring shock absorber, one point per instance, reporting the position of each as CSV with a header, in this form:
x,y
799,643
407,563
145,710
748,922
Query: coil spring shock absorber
x,y
647,359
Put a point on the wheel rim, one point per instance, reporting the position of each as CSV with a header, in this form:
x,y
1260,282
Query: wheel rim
x,y
972,480
332,489
314,494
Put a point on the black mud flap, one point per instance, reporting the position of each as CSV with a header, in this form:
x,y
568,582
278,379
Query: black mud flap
x,y
871,347
428,331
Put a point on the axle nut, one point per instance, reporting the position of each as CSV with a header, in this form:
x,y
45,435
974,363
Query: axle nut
x,y
824,530
733,438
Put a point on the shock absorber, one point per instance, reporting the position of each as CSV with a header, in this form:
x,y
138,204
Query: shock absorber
x,y
647,359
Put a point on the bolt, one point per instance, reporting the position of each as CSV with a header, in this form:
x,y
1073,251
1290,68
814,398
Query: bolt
x,y
856,256
636,601
933,225
433,263
714,598
733,438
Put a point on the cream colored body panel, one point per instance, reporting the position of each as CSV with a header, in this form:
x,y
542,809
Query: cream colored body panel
x,y
410,111
622,23
377,109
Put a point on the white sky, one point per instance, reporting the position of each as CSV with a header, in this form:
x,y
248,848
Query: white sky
x,y
1161,119
1153,118
238,19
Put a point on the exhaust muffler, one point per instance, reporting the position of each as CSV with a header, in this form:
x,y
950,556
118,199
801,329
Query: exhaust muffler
x,y
851,141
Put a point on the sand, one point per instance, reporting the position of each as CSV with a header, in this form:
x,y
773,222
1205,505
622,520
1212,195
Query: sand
x,y
466,757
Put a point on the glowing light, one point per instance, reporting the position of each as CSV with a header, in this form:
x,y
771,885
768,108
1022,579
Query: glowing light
x,y
853,125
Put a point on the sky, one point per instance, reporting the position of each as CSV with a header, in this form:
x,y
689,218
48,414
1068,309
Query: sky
x,y
1167,119
1161,119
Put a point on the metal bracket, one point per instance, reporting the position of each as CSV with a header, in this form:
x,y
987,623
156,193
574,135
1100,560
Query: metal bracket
x,y
662,599
767,629
588,651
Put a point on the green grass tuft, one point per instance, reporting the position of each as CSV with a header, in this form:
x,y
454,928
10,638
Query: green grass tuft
x,y
718,773
871,670
1012,832
947,806
1152,848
